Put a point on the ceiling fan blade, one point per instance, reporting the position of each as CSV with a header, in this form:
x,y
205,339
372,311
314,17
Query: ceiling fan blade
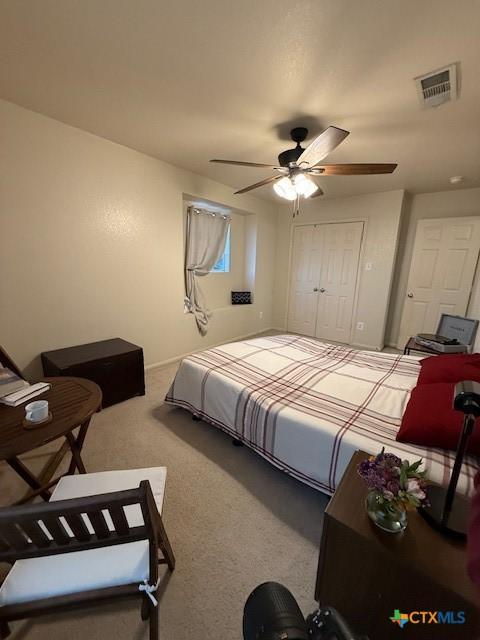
x,y
323,144
245,164
355,169
259,184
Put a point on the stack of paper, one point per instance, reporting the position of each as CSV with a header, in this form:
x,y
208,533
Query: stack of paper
x,y
25,394
10,382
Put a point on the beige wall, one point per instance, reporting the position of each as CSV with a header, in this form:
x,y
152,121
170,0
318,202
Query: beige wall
x,y
444,204
92,245
381,213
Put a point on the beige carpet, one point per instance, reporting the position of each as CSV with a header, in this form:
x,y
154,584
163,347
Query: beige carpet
x,y
233,520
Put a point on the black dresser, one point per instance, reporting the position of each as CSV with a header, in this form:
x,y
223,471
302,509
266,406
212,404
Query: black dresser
x,y
115,365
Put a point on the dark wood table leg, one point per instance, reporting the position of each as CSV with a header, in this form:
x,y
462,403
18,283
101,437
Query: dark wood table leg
x,y
41,484
28,477
76,445
82,433
46,474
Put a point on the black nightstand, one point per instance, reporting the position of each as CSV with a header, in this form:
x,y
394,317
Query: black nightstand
x,y
115,365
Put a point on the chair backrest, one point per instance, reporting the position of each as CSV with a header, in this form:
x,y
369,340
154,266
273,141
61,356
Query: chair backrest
x,y
31,531
6,361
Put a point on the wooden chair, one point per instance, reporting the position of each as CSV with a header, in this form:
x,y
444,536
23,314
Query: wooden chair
x,y
84,551
6,361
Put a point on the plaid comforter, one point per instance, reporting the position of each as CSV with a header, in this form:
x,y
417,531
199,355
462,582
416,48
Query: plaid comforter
x,y
307,406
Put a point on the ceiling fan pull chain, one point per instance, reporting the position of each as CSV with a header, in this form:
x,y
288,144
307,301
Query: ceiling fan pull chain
x,y
296,206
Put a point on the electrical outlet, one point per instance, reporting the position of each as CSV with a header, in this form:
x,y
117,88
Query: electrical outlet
x,y
368,266
260,315
360,326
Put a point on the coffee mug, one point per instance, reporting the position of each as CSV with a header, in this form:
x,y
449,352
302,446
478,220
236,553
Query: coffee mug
x,y
37,411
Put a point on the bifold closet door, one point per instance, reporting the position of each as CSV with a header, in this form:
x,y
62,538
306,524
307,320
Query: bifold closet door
x,y
338,280
304,278
323,279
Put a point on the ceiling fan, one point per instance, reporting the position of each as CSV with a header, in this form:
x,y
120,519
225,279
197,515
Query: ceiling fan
x,y
297,166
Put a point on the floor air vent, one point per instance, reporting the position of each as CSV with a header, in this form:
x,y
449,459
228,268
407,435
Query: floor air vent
x,y
437,87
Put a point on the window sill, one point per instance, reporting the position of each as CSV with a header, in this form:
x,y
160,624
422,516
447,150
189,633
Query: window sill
x,y
231,306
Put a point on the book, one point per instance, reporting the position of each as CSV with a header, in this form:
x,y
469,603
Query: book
x,y
25,394
10,382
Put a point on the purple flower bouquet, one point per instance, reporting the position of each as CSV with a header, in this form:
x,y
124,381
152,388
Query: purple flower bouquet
x,y
395,486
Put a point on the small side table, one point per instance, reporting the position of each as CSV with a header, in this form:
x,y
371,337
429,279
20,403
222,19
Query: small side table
x,y
412,345
72,402
366,574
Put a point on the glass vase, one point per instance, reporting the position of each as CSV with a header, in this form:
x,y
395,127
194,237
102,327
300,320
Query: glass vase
x,y
389,517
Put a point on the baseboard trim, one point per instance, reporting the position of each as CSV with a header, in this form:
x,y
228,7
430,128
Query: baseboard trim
x,y
359,345
163,363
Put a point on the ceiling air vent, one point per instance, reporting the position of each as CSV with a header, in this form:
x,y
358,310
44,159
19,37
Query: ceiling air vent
x,y
437,87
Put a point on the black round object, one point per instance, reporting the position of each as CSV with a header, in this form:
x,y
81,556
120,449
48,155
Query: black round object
x,y
299,134
272,613
466,398
291,155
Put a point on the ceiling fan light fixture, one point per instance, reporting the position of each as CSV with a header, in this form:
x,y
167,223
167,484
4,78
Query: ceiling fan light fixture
x,y
304,186
285,189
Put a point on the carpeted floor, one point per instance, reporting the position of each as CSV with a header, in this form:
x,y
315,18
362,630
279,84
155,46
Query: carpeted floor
x,y
233,520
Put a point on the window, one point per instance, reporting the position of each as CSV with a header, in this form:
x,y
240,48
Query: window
x,y
223,265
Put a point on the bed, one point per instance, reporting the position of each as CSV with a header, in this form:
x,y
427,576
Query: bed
x,y
307,406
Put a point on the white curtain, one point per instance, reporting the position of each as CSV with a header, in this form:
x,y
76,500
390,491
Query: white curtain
x,y
206,235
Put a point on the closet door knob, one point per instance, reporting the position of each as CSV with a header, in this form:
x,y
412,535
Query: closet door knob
x,y
322,290
315,289
409,294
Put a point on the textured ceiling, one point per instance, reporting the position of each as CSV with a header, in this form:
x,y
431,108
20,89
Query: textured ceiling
x,y
190,80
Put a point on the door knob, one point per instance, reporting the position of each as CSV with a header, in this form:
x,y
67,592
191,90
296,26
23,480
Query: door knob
x,y
316,289
322,290
409,294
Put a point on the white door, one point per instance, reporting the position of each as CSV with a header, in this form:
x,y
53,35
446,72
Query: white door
x,y
305,274
443,266
338,280
323,279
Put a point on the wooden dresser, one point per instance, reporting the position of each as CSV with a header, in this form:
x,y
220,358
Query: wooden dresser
x,y
366,574
115,365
